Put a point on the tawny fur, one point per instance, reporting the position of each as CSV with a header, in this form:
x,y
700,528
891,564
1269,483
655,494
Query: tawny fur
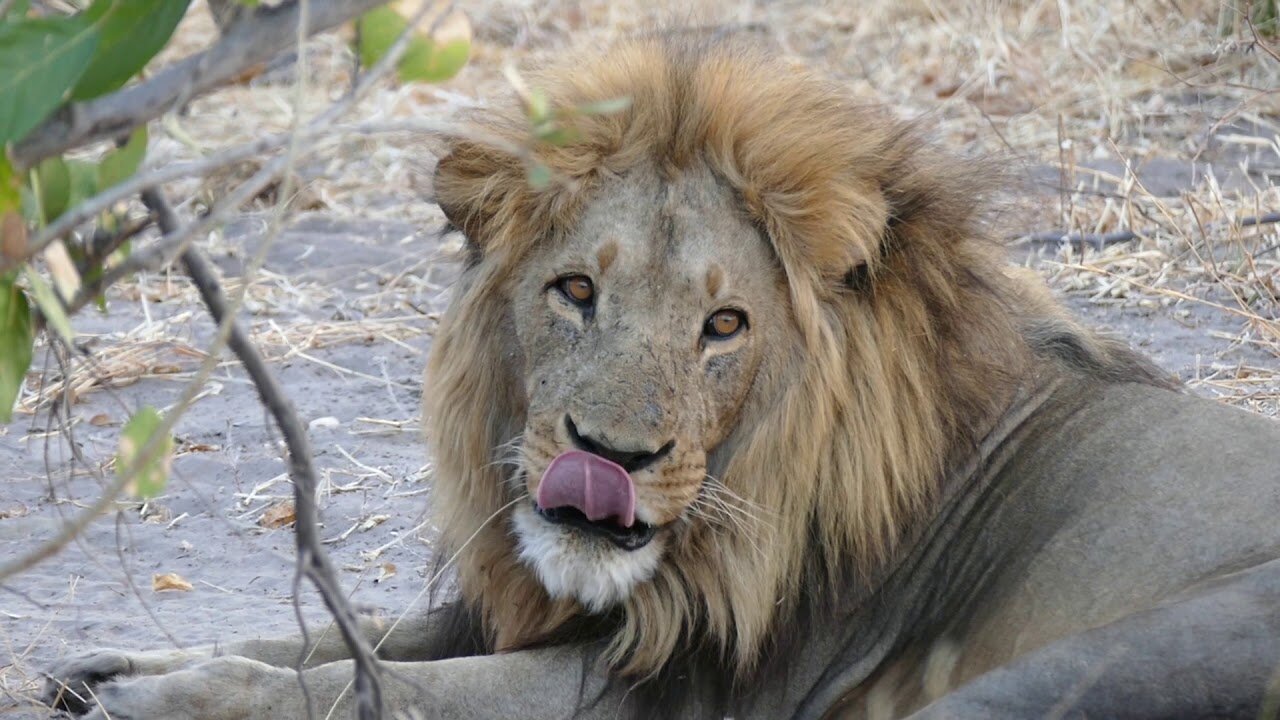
x,y
915,337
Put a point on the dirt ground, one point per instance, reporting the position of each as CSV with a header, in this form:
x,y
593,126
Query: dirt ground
x,y
1155,123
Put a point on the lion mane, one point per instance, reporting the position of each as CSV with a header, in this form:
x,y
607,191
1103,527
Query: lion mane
x,y
916,337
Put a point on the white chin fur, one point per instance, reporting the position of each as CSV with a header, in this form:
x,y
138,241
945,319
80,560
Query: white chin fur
x,y
570,564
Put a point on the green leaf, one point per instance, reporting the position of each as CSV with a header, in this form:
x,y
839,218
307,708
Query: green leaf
x,y
50,306
43,59
539,176
132,32
17,11
555,133
84,181
605,107
121,163
13,226
10,193
539,106
422,61
378,30
150,473
16,339
425,61
51,183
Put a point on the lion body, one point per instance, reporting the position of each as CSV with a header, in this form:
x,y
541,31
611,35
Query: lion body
x,y
910,479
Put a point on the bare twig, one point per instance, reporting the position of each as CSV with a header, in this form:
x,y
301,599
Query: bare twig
x,y
149,452
311,556
1099,240
89,209
253,39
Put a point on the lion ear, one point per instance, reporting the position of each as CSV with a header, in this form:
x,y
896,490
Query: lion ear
x,y
451,190
933,196
471,184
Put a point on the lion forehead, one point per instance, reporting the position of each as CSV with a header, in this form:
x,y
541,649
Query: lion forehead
x,y
689,226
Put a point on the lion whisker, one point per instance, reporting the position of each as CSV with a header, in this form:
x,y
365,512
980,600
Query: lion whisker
x,y
511,452
733,503
723,509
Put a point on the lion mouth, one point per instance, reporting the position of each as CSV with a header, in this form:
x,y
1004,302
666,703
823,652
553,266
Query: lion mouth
x,y
627,538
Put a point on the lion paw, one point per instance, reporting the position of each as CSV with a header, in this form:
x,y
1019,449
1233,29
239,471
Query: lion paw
x,y
224,688
70,683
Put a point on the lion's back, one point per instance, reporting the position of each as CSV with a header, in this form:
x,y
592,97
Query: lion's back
x,y
1119,498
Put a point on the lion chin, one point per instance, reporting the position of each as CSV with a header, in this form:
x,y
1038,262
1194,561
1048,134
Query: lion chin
x,y
570,564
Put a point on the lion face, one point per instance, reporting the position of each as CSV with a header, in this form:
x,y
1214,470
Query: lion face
x,y
642,330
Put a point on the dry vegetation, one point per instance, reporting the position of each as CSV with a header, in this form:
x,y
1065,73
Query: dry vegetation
x,y
1147,115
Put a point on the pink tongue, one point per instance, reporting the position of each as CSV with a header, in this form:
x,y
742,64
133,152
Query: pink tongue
x,y
600,488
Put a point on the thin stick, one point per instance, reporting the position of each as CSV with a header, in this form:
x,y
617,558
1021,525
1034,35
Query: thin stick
x,y
312,559
252,40
1099,240
92,207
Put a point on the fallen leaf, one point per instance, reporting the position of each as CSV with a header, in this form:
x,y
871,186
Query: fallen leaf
x,y
279,515
66,279
14,511
169,581
373,521
387,570
101,420
324,422
156,513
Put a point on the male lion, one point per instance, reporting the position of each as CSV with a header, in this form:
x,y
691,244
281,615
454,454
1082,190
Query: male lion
x,y
790,441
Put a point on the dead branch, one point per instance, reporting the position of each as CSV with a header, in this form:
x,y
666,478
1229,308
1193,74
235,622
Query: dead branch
x,y
254,38
306,138
1101,240
312,559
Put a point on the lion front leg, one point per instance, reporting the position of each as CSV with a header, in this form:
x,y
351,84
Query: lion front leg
x,y
224,688
69,682
72,682
549,683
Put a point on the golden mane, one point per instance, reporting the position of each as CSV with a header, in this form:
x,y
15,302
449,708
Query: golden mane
x,y
915,337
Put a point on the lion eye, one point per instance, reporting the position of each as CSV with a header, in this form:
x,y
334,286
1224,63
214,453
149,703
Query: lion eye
x,y
577,288
724,324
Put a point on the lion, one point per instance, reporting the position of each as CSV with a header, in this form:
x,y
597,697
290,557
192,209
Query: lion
x,y
745,414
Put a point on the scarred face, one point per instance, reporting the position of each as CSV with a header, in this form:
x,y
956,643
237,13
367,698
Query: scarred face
x,y
641,331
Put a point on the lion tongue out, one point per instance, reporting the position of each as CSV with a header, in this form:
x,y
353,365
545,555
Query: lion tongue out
x,y
598,487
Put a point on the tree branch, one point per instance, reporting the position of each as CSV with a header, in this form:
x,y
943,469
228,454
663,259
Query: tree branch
x,y
312,559
317,138
254,38
1101,240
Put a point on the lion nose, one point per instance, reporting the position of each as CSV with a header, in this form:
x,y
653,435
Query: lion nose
x,y
630,461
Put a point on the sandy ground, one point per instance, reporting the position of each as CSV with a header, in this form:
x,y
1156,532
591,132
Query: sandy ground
x,y
375,287
346,302
360,395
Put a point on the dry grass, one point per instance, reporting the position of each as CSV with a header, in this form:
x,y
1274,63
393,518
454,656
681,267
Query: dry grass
x,y
1093,100
1101,96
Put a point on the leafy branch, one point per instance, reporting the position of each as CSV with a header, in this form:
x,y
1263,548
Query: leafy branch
x,y
65,238
69,89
